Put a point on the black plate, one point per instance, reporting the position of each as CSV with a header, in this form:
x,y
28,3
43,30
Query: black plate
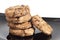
x,y
54,22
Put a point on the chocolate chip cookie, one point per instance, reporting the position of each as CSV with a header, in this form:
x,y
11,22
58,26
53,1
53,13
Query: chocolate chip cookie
x,y
22,19
23,26
42,25
16,32
17,11
27,32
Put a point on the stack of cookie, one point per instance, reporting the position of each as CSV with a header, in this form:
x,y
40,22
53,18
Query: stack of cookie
x,y
18,18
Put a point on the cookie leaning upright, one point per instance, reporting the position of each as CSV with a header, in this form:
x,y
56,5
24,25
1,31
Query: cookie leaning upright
x,y
42,25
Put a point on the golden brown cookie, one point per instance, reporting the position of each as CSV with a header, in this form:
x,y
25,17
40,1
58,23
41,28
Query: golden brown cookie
x,y
23,26
22,19
17,11
42,25
27,32
16,32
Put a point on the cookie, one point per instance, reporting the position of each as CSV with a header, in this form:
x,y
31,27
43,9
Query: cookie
x,y
22,19
16,32
42,25
17,11
23,26
27,32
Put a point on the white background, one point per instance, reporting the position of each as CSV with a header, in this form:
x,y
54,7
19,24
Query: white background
x,y
44,8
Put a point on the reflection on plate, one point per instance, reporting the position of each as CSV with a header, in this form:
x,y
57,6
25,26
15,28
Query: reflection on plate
x,y
39,36
4,31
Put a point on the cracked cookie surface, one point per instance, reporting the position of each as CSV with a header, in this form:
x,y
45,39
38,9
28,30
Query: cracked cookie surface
x,y
17,11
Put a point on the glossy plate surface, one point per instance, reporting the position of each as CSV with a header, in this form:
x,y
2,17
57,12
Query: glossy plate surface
x,y
54,22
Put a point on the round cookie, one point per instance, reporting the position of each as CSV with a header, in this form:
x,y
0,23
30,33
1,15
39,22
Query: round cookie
x,y
27,32
17,11
23,26
42,25
22,19
16,32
